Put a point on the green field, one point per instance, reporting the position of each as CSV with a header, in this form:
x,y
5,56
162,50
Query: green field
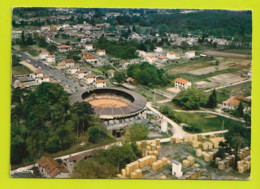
x,y
243,89
20,70
203,122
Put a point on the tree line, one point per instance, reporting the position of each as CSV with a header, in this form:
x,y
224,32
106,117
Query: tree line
x,y
43,121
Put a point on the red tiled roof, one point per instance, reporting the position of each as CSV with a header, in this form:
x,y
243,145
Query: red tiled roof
x,y
91,76
51,166
90,57
82,71
232,102
100,81
162,57
63,46
38,72
171,52
68,61
180,80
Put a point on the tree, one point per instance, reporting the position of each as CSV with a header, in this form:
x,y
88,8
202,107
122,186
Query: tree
x,y
191,99
238,137
239,111
212,101
52,48
15,60
95,134
138,131
119,77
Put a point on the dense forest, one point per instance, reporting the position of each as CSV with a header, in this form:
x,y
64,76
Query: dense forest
x,y
43,121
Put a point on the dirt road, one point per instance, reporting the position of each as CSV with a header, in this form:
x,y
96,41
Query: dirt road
x,y
224,54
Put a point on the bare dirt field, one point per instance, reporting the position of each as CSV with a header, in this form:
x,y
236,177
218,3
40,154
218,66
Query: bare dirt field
x,y
224,79
108,103
28,65
225,54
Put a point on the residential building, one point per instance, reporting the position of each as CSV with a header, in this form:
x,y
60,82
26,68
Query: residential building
x,y
82,74
100,83
234,101
150,58
90,79
158,49
190,54
69,63
172,55
43,56
89,47
162,58
16,34
73,70
111,73
140,53
101,52
61,65
130,80
36,74
50,59
181,83
50,168
64,48
92,60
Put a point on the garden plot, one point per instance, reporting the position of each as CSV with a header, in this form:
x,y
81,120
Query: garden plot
x,y
226,79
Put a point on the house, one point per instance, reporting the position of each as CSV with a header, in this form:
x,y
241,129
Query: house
x,y
140,53
73,70
90,79
89,47
83,54
61,65
50,168
100,83
36,74
158,49
50,59
43,55
101,52
45,78
162,58
172,55
69,63
110,73
150,58
130,80
64,48
16,34
233,102
190,54
181,83
91,59
82,74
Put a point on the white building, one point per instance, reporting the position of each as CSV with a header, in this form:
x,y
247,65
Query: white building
x,y
101,52
16,34
92,60
51,59
100,83
73,70
172,55
150,58
36,74
181,83
64,48
82,74
43,55
190,54
164,125
90,79
89,47
158,49
140,53
176,169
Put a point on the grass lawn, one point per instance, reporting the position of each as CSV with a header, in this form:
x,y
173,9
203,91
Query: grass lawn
x,y
20,70
205,122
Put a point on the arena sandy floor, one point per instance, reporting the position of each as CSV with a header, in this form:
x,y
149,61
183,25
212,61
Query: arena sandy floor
x,y
108,103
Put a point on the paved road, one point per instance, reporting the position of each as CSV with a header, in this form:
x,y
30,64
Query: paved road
x,y
176,130
56,74
210,112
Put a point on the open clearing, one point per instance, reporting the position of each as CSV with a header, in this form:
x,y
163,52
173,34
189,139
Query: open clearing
x,y
226,54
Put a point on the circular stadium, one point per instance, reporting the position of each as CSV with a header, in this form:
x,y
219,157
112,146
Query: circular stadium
x,y
118,107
